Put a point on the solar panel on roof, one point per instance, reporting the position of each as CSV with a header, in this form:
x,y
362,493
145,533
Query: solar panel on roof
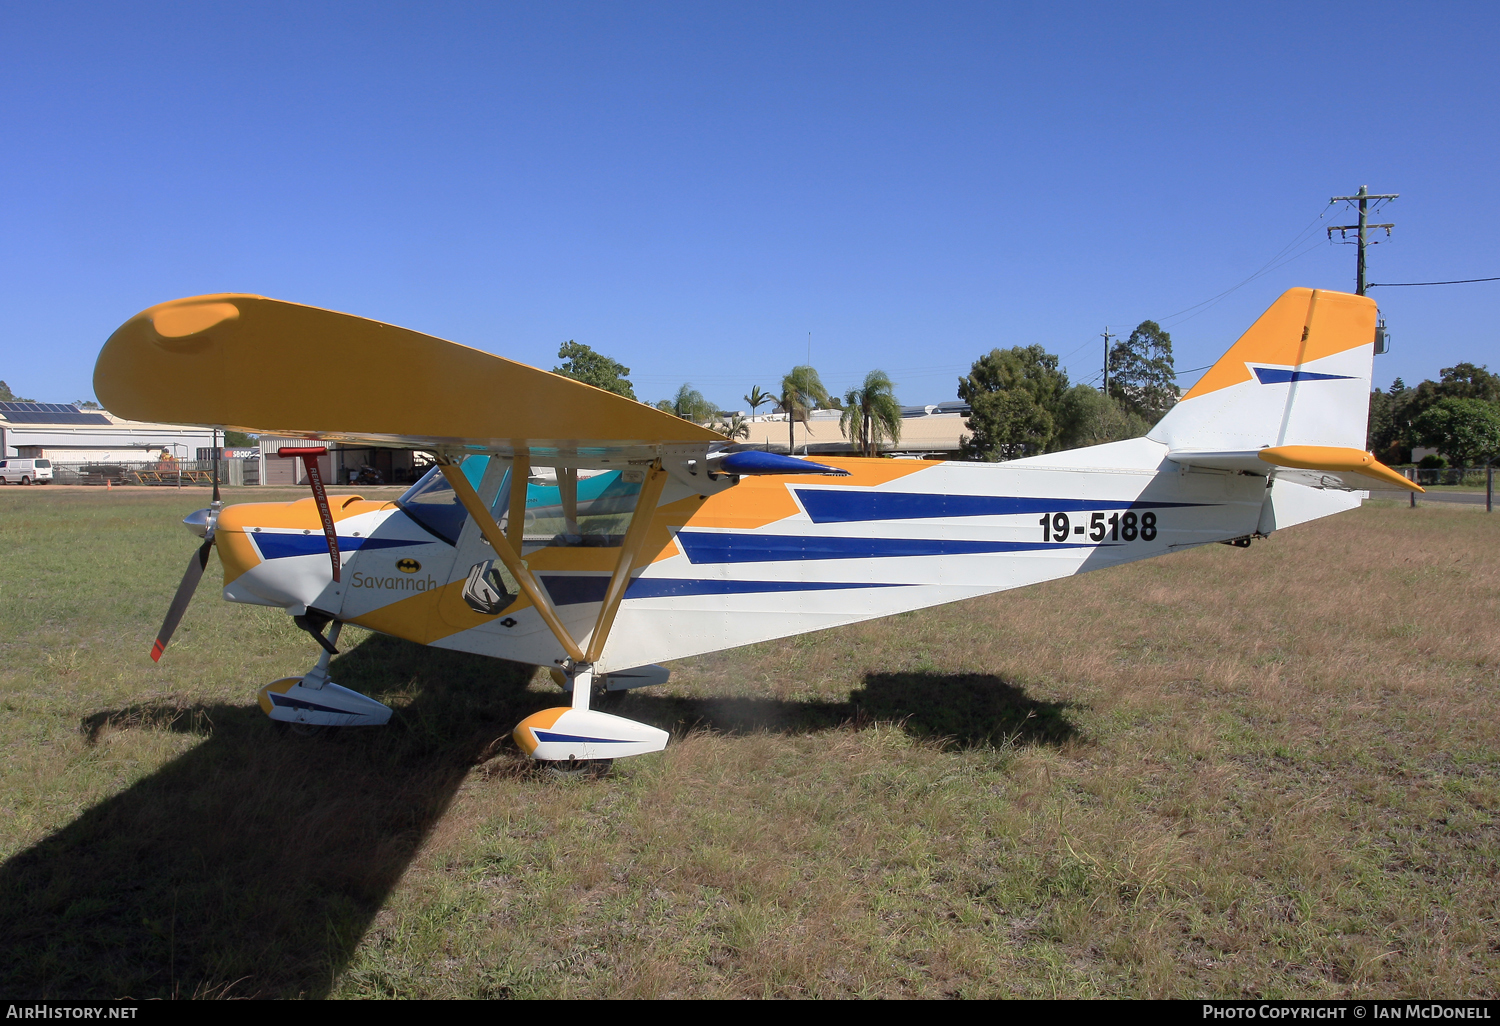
x,y
55,418
20,407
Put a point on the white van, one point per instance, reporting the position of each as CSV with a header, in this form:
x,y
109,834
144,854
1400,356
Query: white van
x,y
25,471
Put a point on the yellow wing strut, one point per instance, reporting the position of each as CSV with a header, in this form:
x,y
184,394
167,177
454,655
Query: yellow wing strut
x,y
635,537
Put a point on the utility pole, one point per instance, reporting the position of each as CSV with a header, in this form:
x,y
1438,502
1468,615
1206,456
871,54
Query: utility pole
x,y
1106,336
1362,198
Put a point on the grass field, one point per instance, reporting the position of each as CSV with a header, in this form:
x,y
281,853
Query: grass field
x,y
1270,772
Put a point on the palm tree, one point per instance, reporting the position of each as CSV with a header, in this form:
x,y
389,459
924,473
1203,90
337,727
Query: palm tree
x,y
735,427
871,414
801,392
758,398
689,404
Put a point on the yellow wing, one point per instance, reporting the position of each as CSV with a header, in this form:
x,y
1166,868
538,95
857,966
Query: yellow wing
x,y
257,364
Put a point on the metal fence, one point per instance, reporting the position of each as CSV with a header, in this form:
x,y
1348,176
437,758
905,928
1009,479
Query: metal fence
x,y
1472,477
165,473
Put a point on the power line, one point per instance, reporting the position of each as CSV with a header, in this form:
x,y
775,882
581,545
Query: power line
x,y
1406,284
1266,268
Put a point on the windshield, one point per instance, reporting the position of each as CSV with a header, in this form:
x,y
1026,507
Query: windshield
x,y
432,502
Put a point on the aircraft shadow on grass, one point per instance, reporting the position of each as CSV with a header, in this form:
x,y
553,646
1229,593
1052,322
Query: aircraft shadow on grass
x,y
253,864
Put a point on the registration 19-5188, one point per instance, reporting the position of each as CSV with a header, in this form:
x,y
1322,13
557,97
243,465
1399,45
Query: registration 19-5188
x,y
1126,527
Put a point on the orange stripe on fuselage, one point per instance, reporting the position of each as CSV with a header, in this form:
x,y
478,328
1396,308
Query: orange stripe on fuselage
x,y
758,501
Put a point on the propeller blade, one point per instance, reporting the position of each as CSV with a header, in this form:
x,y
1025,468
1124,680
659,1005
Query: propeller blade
x,y
180,601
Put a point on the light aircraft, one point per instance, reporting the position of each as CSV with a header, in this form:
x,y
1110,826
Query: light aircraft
x,y
573,529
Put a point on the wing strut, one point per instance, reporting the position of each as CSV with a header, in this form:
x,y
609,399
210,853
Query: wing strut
x,y
635,538
509,556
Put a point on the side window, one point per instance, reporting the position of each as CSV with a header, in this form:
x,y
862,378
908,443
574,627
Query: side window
x,y
601,511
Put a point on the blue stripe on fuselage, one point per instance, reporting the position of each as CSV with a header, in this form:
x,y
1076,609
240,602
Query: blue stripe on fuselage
x,y
568,590
703,547
843,506
280,546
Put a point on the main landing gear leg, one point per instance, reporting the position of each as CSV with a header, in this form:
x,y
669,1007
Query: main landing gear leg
x,y
311,703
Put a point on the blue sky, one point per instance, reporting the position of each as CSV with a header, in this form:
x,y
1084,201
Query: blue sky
x,y
693,188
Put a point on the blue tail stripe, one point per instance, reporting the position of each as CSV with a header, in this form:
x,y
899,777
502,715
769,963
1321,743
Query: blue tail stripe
x,y
1283,375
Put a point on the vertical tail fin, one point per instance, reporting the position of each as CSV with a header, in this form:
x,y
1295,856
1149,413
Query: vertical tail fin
x,y
1299,377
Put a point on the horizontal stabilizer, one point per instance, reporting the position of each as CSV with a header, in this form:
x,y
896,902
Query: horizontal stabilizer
x,y
1337,460
1329,458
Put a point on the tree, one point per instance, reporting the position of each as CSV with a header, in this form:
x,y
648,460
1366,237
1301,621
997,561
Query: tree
x,y
1086,416
239,440
758,398
802,392
871,414
689,404
583,364
8,397
1012,395
86,404
1141,377
1467,431
1394,414
735,427
1467,381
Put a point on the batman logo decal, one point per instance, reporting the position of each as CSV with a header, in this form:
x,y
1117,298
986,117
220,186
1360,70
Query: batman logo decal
x,y
408,566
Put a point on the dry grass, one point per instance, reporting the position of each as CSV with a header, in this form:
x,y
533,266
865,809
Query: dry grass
x,y
1267,772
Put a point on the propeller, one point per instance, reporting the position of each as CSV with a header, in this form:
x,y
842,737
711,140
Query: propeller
x,y
184,592
200,522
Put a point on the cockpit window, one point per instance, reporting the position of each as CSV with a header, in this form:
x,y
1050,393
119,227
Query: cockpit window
x,y
604,505
602,510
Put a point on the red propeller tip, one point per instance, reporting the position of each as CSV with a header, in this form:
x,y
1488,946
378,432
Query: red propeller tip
x,y
156,650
